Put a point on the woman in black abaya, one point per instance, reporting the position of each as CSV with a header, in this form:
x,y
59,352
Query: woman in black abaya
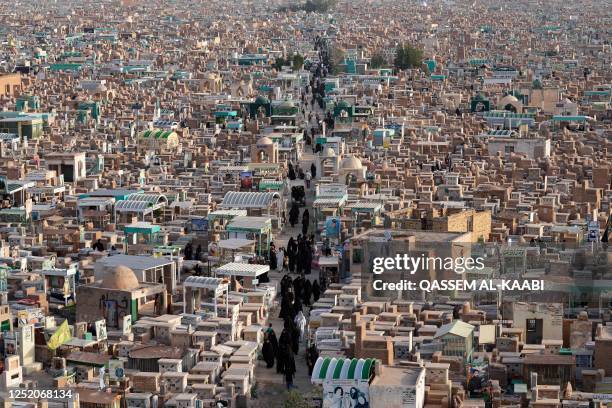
x,y
291,172
273,260
289,369
316,290
291,254
294,215
307,292
284,348
305,221
286,310
268,352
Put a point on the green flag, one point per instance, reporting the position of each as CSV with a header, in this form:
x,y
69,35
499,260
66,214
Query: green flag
x,y
61,336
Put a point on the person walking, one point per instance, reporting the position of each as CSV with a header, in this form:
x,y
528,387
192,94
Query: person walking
x,y
294,215
284,350
291,254
316,290
289,369
188,251
287,307
299,263
312,354
272,337
307,292
307,260
305,222
291,172
280,259
273,261
267,351
300,322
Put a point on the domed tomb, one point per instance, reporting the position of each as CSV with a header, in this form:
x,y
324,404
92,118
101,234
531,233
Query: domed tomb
x,y
120,278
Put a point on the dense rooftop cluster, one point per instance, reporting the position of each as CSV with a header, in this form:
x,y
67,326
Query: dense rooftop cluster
x,y
194,196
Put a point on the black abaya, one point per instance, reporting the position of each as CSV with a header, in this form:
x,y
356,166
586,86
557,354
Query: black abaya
x,y
305,222
286,310
268,353
273,341
294,215
284,349
307,292
316,290
307,261
272,262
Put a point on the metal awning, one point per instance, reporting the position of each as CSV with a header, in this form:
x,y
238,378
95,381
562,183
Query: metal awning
x,y
141,207
226,214
259,224
329,202
134,262
235,243
94,201
141,228
59,272
153,198
242,269
367,206
206,283
232,169
141,203
8,136
242,199
14,186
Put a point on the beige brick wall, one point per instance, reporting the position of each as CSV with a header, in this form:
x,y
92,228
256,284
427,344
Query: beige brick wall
x,y
10,85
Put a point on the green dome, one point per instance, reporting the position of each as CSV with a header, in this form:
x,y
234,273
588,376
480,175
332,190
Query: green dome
x,y
343,104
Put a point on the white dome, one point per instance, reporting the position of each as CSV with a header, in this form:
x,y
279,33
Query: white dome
x,y
351,163
264,141
509,100
328,152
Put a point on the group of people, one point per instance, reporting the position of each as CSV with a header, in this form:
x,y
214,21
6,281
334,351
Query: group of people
x,y
294,215
300,253
190,254
294,293
294,173
282,350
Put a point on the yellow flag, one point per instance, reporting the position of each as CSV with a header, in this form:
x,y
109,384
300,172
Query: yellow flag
x,y
61,336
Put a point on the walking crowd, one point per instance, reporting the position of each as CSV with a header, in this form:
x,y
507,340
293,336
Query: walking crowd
x,y
297,294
